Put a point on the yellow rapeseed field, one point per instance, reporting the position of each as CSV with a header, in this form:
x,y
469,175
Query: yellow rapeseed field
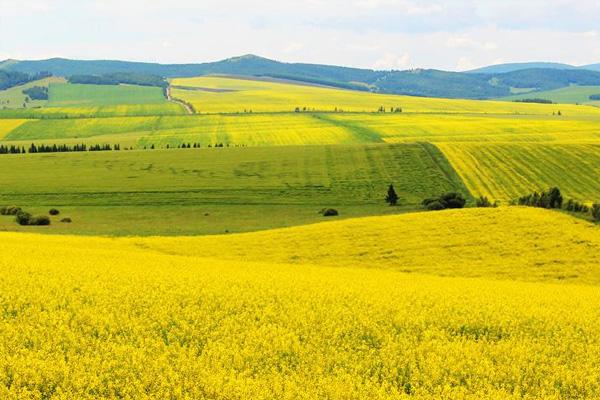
x,y
88,318
459,128
507,243
8,125
210,94
505,171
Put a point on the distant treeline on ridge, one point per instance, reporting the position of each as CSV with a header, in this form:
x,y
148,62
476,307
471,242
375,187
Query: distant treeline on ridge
x,y
129,78
10,79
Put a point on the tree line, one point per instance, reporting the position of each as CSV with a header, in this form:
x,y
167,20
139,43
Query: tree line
x,y
128,78
535,100
64,148
10,79
553,199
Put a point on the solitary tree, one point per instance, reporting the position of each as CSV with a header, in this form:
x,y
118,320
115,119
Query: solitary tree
x,y
392,197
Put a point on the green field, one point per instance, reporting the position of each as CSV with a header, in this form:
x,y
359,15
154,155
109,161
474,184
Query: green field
x,y
279,168
90,101
169,191
14,98
78,95
567,95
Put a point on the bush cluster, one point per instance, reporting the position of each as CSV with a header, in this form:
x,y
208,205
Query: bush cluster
x,y
9,210
26,219
575,206
553,198
549,199
445,201
484,202
329,212
596,212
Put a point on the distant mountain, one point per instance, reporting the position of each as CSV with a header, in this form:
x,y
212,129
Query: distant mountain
x,y
592,67
496,82
512,67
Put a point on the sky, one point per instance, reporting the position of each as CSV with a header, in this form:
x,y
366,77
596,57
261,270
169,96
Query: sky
x,y
380,34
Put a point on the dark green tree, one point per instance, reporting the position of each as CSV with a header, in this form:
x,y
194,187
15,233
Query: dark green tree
x,y
392,196
596,212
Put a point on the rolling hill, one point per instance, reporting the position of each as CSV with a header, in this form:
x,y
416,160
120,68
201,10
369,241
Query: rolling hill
x,y
317,314
567,95
511,67
419,82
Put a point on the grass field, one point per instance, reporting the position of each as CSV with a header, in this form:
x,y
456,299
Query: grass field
x,y
507,171
14,98
79,95
227,95
9,125
126,110
567,95
103,318
109,190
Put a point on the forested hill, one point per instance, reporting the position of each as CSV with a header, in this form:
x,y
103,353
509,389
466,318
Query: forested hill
x,y
419,82
9,79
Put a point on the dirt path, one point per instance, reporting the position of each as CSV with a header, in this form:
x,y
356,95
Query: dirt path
x,y
188,108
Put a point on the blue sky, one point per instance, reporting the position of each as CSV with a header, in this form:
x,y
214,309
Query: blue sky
x,y
381,34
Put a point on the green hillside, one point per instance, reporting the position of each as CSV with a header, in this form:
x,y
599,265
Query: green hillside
x,y
81,95
14,98
567,95
242,189
418,82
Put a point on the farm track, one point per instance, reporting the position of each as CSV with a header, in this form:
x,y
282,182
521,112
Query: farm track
x,y
188,108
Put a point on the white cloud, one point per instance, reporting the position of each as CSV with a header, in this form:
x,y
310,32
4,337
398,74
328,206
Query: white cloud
x,y
392,61
361,33
464,64
403,6
461,41
293,47
490,46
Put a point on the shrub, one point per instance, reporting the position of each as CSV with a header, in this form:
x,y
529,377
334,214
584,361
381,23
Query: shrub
x,y
435,206
10,210
484,202
39,220
596,212
66,220
550,199
23,218
329,212
575,206
447,200
453,200
53,211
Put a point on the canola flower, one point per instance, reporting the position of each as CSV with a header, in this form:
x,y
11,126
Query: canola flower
x,y
488,169
92,318
229,95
